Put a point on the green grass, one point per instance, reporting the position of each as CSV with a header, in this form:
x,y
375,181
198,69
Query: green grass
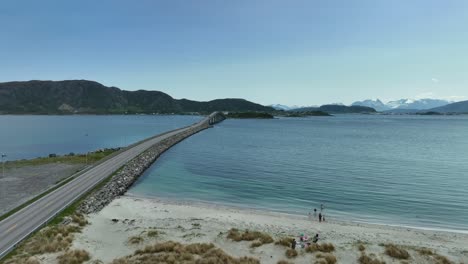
x,y
68,159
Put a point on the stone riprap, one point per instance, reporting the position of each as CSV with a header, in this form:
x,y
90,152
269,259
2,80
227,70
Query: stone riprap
x,y
129,173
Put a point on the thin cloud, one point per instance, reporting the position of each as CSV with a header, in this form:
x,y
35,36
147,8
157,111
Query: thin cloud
x,y
435,80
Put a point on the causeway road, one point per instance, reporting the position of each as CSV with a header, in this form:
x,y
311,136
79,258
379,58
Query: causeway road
x,y
29,219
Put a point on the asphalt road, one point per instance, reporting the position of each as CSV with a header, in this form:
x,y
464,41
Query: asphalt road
x,y
21,224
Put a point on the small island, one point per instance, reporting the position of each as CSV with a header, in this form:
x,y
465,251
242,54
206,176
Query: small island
x,y
307,113
250,115
429,113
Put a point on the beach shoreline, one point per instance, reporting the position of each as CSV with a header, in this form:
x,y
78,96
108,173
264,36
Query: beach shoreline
x,y
336,219
109,231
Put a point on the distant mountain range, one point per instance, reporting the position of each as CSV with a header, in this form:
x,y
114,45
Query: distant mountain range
x,y
89,97
284,107
407,104
337,109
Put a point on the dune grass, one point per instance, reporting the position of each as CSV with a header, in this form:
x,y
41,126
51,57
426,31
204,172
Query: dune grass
x,y
51,239
433,256
79,219
291,253
323,247
153,233
439,259
25,260
365,259
325,259
284,241
174,252
258,238
397,252
361,247
73,257
48,240
425,251
135,240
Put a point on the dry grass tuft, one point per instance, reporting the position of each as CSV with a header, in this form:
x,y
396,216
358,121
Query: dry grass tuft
x,y
199,248
22,260
324,247
256,244
260,238
364,259
173,252
291,253
169,246
361,247
73,257
79,219
439,259
325,259
152,233
218,256
134,240
51,239
433,256
425,251
284,241
397,252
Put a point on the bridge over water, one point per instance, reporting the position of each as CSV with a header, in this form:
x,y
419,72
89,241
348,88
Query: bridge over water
x,y
23,223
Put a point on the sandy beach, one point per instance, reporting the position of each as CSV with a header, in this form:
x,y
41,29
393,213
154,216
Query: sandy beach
x,y
127,224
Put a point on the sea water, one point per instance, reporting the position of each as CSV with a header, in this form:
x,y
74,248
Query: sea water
x,y
25,137
399,170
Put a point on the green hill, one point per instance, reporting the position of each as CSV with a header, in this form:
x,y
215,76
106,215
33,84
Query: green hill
x,y
89,97
457,108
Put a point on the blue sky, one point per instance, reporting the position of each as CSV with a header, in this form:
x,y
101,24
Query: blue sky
x,y
291,52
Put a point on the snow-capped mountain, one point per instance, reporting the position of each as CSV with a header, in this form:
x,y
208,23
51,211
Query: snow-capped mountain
x,y
376,104
285,107
420,104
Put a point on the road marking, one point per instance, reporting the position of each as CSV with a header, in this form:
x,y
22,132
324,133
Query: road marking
x,y
11,228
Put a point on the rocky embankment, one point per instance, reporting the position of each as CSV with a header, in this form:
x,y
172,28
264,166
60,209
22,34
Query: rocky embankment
x,y
129,173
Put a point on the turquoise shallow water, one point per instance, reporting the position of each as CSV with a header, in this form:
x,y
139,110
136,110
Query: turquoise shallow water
x,y
36,136
399,170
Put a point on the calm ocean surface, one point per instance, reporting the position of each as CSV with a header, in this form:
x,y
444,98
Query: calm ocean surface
x,y
37,136
399,170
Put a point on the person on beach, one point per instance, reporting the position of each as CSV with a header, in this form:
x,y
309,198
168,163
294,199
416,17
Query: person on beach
x,y
293,244
316,237
320,217
315,212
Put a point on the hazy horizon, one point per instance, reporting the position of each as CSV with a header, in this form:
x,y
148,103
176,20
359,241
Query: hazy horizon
x,y
269,52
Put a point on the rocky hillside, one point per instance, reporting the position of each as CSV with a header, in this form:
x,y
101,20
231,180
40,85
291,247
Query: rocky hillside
x,y
88,97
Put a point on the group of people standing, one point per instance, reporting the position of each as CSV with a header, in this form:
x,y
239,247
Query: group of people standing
x,y
321,215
